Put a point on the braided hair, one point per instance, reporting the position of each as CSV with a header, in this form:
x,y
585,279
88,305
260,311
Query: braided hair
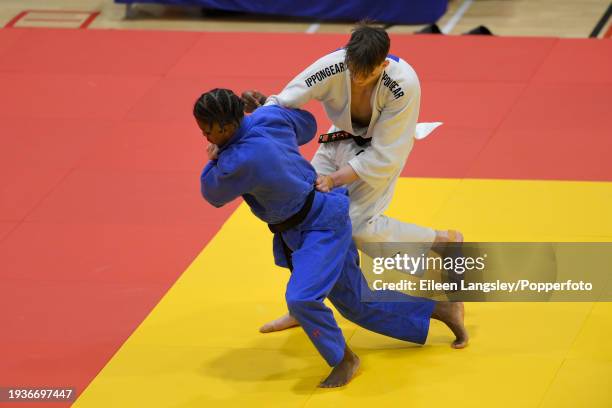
x,y
220,106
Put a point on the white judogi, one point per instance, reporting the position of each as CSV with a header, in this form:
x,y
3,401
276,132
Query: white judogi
x,y
392,129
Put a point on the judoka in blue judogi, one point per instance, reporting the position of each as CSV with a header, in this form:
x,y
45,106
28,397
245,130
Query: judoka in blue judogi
x,y
256,157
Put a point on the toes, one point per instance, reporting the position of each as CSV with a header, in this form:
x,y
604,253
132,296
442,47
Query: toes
x,y
459,344
266,328
332,385
455,236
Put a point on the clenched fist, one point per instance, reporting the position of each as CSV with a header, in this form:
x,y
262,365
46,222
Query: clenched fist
x,y
213,151
324,184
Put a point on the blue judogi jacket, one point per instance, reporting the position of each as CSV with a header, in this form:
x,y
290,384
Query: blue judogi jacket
x,y
262,163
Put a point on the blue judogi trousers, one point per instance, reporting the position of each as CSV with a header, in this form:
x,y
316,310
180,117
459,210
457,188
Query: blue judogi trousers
x,y
325,264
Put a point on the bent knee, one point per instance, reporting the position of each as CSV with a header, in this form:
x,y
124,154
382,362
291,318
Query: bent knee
x,y
366,231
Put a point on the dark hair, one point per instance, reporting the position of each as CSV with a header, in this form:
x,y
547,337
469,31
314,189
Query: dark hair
x,y
220,106
367,48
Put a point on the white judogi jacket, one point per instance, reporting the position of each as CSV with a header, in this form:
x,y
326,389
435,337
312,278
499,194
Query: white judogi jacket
x,y
392,129
395,109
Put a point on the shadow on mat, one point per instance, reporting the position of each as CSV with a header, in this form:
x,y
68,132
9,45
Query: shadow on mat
x,y
260,362
301,369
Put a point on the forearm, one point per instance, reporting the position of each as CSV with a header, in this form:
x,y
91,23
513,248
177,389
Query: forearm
x,y
209,184
216,187
344,175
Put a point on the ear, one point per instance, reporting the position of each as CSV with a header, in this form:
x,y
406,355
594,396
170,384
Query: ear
x,y
385,63
228,128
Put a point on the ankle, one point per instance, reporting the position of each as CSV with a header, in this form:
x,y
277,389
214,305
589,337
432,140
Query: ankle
x,y
440,311
349,355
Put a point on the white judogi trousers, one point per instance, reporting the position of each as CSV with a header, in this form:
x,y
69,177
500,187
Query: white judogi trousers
x,y
367,203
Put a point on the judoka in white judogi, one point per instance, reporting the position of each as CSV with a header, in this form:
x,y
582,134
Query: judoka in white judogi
x,y
392,130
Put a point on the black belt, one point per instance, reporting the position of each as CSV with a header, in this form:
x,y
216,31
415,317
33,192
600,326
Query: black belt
x,y
295,219
342,135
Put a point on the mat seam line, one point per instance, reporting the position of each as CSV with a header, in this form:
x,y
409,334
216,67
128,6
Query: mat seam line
x,y
549,386
11,230
509,111
47,194
462,180
125,117
178,59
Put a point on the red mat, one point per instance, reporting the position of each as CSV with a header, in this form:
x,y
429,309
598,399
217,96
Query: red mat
x,y
6,228
577,61
121,53
100,210
8,38
474,58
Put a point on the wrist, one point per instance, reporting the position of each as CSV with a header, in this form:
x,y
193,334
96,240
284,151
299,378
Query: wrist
x,y
333,182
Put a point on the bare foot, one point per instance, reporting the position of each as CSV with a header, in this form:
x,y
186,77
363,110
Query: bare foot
x,y
442,241
448,244
343,372
282,323
446,236
451,314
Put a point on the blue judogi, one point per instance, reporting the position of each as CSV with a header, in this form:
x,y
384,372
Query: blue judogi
x,y
262,163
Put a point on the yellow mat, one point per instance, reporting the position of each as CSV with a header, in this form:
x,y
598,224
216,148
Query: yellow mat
x,y
200,346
